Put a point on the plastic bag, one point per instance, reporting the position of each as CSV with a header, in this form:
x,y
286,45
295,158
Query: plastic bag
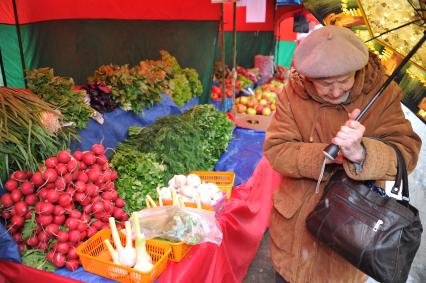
x,y
265,64
190,225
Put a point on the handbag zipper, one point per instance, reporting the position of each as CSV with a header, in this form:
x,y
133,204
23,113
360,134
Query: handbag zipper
x,y
378,223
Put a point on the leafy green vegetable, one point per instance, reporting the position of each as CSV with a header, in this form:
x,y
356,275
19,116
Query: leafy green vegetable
x,y
29,227
60,92
128,88
37,259
175,144
139,174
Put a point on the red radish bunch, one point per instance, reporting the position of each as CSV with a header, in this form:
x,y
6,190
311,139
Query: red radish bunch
x,y
71,199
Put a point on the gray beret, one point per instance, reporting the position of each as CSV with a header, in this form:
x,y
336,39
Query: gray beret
x,y
330,51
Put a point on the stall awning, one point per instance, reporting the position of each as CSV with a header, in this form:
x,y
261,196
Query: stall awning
x,y
30,11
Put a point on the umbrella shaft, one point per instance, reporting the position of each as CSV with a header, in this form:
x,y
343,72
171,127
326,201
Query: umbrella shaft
x,y
392,76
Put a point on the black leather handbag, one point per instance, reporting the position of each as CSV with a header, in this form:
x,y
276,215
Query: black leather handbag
x,y
378,234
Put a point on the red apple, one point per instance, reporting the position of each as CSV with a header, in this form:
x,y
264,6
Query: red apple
x,y
241,108
252,103
259,109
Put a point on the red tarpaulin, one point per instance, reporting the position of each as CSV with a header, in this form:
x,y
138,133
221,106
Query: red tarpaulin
x,y
30,11
11,272
244,220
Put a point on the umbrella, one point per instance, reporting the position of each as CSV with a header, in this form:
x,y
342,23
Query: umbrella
x,y
394,29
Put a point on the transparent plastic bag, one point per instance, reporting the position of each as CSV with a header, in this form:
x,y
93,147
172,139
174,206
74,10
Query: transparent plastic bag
x,y
190,225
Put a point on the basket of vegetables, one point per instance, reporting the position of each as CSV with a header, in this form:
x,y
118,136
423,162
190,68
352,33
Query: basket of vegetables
x,y
111,254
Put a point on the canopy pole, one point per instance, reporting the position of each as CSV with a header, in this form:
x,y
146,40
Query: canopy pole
x,y
222,38
234,57
3,73
21,49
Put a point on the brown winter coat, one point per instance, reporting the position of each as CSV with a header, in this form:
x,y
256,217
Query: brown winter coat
x,y
303,126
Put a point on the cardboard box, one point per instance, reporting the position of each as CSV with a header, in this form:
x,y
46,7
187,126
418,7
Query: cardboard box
x,y
254,122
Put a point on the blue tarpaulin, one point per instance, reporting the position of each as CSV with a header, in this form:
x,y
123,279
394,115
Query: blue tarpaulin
x,y
241,156
116,123
8,247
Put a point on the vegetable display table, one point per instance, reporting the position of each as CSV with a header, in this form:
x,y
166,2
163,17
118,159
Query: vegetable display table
x,y
243,219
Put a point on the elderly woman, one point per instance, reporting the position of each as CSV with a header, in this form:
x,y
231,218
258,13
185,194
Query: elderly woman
x,y
335,77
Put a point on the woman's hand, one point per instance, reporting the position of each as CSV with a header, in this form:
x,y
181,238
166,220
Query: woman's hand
x,y
349,139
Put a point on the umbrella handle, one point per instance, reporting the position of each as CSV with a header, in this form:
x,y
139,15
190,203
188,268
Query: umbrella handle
x,y
332,149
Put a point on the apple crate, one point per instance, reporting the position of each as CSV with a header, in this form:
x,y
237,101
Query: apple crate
x,y
254,122
96,259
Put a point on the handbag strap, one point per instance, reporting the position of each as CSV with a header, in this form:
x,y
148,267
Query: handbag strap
x,y
401,175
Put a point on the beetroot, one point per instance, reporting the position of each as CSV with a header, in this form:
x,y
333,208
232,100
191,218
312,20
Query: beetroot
x,y
72,254
19,175
98,149
78,155
63,247
74,236
44,220
89,158
52,196
65,200
64,156
119,203
31,199
21,208
60,183
17,220
37,179
58,219
72,223
58,260
61,169
52,229
16,195
11,185
51,162
72,165
6,200
50,175
27,188
72,264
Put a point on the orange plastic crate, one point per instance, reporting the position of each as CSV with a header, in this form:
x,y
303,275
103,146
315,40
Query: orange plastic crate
x,y
179,249
216,208
224,180
96,259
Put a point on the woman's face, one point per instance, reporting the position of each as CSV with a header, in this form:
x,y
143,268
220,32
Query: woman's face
x,y
334,90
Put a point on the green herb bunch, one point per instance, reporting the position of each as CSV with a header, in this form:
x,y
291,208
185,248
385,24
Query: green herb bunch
x,y
61,93
183,143
139,173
